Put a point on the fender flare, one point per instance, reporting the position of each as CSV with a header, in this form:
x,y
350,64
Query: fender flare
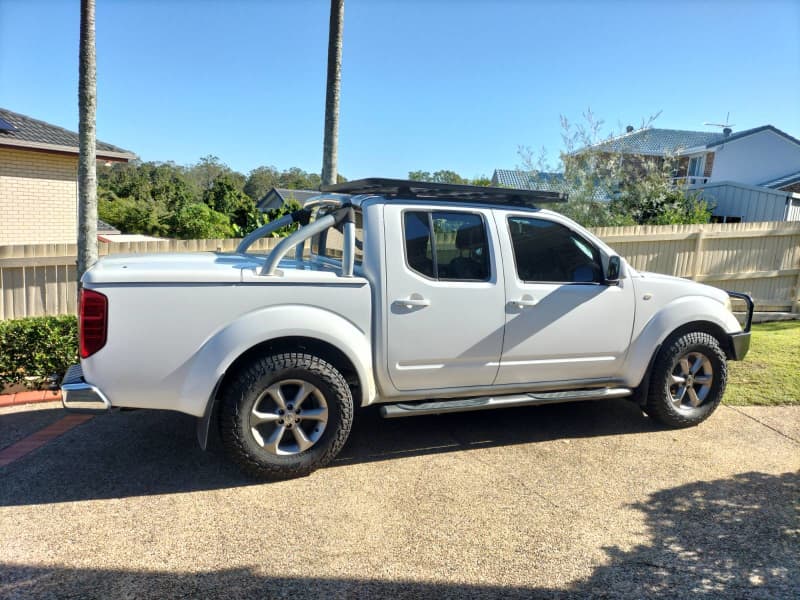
x,y
679,312
220,351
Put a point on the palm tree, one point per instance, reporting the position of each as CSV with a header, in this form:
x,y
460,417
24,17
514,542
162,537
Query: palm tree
x,y
87,160
331,143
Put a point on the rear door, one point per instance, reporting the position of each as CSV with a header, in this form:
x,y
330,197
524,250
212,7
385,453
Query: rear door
x,y
563,324
446,297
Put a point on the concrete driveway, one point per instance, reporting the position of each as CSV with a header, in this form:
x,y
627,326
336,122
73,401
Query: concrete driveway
x,y
574,500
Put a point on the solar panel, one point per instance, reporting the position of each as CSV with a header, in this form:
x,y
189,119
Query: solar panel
x,y
6,126
401,188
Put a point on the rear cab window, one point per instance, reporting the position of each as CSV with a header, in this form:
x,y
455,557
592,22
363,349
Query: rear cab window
x,y
330,243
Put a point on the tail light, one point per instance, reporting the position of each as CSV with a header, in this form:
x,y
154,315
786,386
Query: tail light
x,y
93,322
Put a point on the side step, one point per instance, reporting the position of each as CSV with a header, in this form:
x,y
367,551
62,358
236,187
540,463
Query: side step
x,y
393,411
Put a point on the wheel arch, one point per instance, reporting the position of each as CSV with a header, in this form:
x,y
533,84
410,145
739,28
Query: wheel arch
x,y
278,329
308,345
702,326
688,313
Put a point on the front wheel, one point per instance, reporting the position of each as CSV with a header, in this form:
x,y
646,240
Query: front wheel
x,y
688,380
285,415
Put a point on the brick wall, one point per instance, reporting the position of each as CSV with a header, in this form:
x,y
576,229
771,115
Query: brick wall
x,y
38,197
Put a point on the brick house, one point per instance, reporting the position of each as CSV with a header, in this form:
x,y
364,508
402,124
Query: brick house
x,y
39,180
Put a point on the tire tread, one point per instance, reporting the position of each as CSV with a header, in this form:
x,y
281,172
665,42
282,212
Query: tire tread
x,y
230,416
658,406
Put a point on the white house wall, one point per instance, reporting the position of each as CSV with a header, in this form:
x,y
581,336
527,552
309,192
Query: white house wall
x,y
756,158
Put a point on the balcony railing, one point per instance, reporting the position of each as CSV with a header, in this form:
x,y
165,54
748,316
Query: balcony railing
x,y
690,181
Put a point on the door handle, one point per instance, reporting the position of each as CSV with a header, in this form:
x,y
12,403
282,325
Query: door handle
x,y
525,302
415,301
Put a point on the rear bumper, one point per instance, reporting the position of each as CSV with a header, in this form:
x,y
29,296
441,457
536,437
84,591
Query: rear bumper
x,y
79,396
740,342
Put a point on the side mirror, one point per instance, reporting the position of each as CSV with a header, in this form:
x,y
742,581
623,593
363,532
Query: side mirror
x,y
612,272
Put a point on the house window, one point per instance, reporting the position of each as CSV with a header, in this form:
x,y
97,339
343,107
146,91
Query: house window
x,y
695,166
724,219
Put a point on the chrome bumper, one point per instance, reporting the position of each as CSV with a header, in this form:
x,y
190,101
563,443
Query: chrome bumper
x,y
79,396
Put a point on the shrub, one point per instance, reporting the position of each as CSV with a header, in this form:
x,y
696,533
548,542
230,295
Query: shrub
x,y
37,347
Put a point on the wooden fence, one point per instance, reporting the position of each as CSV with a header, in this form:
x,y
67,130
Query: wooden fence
x,y
41,279
761,259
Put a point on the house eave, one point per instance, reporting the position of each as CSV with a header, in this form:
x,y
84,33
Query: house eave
x,y
58,149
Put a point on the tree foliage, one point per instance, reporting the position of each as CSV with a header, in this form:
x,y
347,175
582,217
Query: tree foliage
x,y
205,199
610,188
446,176
199,221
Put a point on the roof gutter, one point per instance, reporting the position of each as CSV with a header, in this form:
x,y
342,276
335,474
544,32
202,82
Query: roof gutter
x,y
42,147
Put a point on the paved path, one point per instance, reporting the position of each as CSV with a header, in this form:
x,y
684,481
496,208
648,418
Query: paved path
x,y
574,500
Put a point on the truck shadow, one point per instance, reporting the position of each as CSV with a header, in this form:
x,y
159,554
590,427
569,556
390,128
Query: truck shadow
x,y
139,453
734,537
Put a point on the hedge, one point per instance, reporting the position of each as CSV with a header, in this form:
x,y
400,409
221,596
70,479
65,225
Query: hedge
x,y
35,348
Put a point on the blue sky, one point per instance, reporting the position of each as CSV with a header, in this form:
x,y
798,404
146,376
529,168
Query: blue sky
x,y
426,85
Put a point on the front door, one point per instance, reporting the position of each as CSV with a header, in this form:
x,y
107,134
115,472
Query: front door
x,y
562,322
445,294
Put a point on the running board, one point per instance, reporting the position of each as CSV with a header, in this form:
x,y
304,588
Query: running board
x,y
437,407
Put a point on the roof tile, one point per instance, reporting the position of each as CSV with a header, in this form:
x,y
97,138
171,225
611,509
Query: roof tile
x,y
28,129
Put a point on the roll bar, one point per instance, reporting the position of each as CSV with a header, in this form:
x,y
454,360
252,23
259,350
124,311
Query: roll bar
x,y
345,215
298,216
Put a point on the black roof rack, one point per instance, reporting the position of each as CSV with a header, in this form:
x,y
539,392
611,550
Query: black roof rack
x,y
402,188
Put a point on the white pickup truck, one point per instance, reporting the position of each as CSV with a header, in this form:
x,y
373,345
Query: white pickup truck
x,y
424,298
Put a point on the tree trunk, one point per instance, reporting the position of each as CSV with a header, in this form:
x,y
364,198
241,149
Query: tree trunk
x,y
87,159
330,146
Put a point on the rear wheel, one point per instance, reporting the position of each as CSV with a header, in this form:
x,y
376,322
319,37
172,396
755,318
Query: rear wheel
x,y
688,380
285,415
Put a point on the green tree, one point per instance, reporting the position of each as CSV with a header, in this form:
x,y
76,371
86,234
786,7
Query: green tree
x,y
131,215
481,180
288,207
207,170
297,179
199,221
224,197
150,197
610,188
261,180
443,176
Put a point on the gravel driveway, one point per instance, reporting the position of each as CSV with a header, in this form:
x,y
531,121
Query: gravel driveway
x,y
573,500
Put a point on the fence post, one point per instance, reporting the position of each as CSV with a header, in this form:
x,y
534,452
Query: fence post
x,y
796,296
698,252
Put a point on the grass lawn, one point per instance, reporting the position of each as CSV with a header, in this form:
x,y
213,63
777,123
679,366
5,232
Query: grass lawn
x,y
770,373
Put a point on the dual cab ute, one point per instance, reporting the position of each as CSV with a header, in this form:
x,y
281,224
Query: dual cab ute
x,y
423,298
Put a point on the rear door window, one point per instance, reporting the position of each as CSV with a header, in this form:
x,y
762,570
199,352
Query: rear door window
x,y
447,246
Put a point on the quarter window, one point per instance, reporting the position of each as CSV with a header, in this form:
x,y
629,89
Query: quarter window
x,y
448,246
549,252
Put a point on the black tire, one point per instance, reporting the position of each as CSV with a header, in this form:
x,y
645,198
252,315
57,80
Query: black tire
x,y
245,443
665,402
